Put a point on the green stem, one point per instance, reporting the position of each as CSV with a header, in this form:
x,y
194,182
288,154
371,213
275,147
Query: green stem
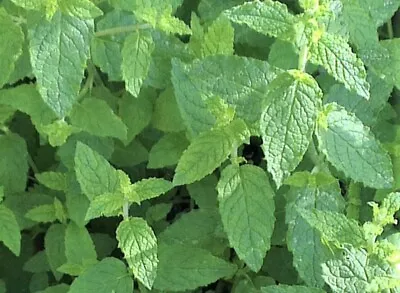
x,y
88,85
390,29
125,210
122,29
303,58
32,164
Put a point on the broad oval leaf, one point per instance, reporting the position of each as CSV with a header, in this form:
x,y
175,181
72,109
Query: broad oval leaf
x,y
59,49
352,148
109,275
247,209
184,268
139,245
288,121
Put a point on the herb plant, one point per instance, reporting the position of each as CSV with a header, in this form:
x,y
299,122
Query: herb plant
x,y
199,146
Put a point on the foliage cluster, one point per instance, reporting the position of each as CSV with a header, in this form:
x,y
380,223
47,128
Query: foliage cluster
x,y
199,146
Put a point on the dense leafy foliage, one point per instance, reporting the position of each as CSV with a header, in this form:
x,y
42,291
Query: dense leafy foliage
x,y
199,146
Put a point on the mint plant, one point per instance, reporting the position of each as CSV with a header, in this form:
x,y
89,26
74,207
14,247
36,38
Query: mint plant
x,y
199,146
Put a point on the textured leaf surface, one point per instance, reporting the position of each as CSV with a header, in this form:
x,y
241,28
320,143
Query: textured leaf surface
x,y
59,49
109,275
151,187
218,39
247,209
139,245
208,151
108,204
9,230
83,9
97,118
136,56
352,148
186,268
42,213
303,241
288,121
167,151
95,175
335,227
382,11
11,47
335,55
241,82
79,247
267,17
53,180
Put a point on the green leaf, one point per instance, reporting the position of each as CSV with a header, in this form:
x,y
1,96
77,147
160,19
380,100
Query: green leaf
x,y
83,9
130,155
204,192
42,214
60,73
211,9
382,11
54,243
97,118
187,268
308,250
106,51
335,55
9,230
14,164
109,275
139,245
288,121
196,228
352,148
95,175
241,82
26,99
290,289
167,151
57,132
267,17
166,116
218,40
151,188
53,180
37,263
208,151
108,205
135,113
79,247
136,56
11,49
247,209
335,227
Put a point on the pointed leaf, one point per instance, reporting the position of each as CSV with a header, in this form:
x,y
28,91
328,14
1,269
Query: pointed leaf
x,y
151,187
109,275
335,55
136,57
288,121
54,243
79,247
208,151
247,209
108,205
352,148
139,245
184,268
95,175
9,230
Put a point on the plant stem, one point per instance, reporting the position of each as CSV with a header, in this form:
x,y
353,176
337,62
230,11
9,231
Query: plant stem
x,y
125,210
303,58
32,164
390,29
122,29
